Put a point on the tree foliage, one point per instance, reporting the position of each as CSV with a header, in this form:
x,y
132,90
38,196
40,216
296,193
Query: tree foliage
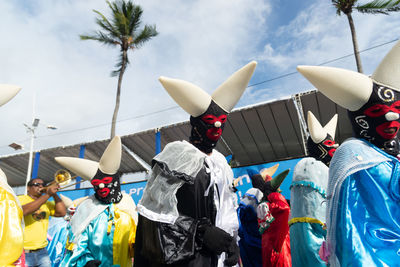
x,y
121,30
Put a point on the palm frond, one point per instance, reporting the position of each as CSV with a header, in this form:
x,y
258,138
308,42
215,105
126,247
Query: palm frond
x,y
135,19
101,37
119,64
146,34
121,29
105,24
379,7
344,6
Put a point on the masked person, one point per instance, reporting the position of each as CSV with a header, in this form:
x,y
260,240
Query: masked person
x,y
11,215
102,230
308,195
363,214
273,215
57,231
188,209
250,237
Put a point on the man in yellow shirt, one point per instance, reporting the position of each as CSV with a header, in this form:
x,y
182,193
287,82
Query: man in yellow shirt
x,y
37,210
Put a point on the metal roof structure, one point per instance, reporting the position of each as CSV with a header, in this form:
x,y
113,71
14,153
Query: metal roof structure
x,y
265,132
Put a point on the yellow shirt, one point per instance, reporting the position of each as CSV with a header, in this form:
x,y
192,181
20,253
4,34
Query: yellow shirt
x,y
35,233
11,236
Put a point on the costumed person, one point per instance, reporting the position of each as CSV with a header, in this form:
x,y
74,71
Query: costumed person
x,y
273,215
250,237
37,210
11,215
57,231
187,215
102,230
308,195
363,214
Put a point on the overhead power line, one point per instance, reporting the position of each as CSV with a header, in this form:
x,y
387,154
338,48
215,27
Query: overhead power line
x,y
252,85
323,63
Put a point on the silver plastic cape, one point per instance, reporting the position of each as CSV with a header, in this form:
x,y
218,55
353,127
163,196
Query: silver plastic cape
x,y
159,202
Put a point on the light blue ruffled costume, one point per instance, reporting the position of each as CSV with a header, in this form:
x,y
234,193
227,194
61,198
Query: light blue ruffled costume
x,y
94,242
104,232
363,214
308,208
56,247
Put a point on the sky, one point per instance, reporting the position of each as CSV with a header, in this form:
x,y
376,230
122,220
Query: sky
x,y
66,82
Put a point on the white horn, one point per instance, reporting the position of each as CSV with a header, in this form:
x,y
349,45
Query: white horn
x,y
111,159
67,201
190,97
388,71
7,92
229,93
84,168
317,132
330,127
349,89
79,200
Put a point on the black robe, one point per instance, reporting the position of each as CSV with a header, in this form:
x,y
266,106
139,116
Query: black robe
x,y
179,244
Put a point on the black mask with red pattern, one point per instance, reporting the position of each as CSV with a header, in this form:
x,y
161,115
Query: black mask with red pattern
x,y
107,187
322,151
378,121
207,128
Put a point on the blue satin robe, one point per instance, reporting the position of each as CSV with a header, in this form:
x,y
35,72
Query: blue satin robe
x,y
368,214
56,246
109,237
95,243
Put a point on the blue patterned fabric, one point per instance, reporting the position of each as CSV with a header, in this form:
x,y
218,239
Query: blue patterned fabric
x,y
366,231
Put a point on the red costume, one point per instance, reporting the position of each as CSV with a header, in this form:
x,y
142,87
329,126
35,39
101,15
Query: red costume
x,y
275,240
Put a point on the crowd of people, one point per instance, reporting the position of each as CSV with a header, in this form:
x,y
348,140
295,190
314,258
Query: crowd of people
x,y
343,210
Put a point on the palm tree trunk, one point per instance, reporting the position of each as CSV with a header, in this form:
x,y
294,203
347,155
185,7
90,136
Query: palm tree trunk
x,y
355,43
117,100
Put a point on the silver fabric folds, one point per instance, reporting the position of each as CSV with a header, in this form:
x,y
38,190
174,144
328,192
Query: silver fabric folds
x,y
159,201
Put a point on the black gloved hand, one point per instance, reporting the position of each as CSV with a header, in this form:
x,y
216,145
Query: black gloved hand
x,y
258,182
232,255
216,239
93,263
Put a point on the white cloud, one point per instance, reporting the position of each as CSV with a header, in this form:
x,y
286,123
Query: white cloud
x,y
199,41
317,35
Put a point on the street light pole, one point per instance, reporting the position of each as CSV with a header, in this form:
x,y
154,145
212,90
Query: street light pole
x,y
31,130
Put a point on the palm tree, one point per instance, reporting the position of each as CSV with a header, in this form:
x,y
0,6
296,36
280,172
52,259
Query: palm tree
x,y
122,30
374,7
